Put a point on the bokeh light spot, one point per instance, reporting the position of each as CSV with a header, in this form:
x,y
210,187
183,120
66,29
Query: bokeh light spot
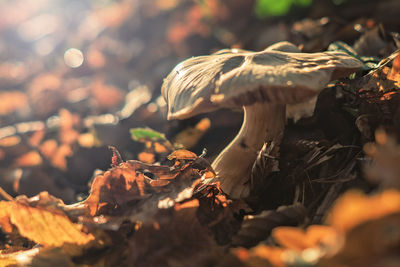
x,y
73,58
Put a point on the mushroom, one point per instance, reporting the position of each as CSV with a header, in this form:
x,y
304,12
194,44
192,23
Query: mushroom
x,y
260,82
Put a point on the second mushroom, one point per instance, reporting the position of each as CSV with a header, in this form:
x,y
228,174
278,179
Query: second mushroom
x,y
260,82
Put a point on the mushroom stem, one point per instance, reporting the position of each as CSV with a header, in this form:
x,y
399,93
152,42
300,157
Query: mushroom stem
x,y
263,122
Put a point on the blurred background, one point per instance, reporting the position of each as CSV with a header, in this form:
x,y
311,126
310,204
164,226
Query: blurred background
x,y
76,75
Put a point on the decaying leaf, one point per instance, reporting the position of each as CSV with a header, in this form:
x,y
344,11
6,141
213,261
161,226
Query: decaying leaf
x,y
182,154
120,185
145,187
40,220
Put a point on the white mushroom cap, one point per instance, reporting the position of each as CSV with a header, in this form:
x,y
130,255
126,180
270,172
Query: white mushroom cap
x,y
236,77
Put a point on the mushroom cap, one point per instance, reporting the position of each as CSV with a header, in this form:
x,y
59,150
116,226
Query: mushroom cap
x,y
237,77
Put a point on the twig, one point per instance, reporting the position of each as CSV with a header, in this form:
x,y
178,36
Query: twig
x,y
5,195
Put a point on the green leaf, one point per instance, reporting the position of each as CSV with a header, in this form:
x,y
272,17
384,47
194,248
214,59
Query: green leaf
x,y
266,8
147,134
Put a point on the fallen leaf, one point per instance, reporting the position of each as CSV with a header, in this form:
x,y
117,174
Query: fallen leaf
x,y
298,239
354,208
117,186
182,154
375,242
41,222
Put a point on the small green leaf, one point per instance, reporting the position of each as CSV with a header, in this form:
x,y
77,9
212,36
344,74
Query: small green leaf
x,y
265,8
147,134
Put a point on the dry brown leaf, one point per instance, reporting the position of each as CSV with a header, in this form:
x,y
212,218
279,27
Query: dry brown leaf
x,y
182,154
117,186
38,220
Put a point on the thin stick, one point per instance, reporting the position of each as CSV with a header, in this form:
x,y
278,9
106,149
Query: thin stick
x,y
5,195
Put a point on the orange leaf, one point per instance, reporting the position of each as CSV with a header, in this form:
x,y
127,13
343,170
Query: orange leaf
x,y
321,234
182,154
146,157
292,238
394,73
271,254
355,208
116,187
31,158
10,141
43,225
